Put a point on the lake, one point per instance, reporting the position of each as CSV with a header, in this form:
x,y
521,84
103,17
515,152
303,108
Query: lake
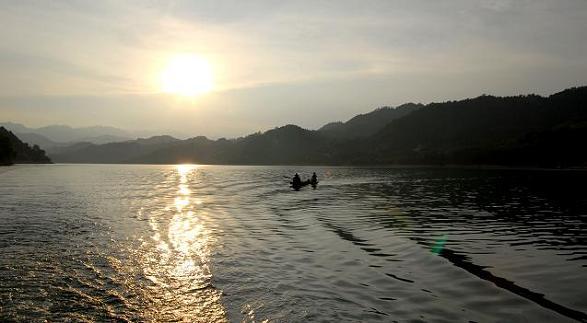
x,y
236,244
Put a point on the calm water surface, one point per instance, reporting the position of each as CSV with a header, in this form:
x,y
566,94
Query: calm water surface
x,y
235,244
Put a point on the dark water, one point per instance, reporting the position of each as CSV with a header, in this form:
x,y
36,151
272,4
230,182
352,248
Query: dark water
x,y
215,244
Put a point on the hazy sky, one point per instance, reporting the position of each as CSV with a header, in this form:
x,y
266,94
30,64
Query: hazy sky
x,y
87,63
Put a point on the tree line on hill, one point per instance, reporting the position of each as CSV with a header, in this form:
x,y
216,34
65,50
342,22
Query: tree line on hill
x,y
525,130
13,150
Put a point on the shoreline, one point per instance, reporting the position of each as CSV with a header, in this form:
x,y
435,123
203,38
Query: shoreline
x,y
397,166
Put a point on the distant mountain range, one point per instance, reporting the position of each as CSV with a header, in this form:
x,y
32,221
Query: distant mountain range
x,y
276,146
13,150
54,136
527,130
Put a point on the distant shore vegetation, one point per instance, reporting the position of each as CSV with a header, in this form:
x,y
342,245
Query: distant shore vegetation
x,y
13,150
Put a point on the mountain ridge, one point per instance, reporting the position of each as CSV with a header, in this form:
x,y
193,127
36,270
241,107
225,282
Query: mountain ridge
x,y
367,124
60,135
481,130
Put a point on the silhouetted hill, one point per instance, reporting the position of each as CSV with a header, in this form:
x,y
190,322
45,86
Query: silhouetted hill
x,y
68,148
116,152
489,130
157,140
288,144
525,130
194,150
13,150
331,127
365,125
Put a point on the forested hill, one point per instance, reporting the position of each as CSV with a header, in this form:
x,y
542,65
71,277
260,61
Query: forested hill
x,y
522,130
528,130
365,125
13,150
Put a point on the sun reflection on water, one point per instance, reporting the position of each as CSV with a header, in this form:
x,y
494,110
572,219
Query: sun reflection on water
x,y
184,170
179,263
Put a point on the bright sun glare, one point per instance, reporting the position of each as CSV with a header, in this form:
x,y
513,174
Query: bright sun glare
x,y
187,75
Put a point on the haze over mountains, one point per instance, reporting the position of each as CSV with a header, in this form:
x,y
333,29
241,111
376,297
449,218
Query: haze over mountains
x,y
60,135
527,130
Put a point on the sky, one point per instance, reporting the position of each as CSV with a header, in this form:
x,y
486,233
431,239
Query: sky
x,y
85,63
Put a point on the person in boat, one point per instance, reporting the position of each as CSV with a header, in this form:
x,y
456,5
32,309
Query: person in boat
x,y
314,179
296,181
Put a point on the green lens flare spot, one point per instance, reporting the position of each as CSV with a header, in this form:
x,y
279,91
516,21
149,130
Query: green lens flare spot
x,y
439,245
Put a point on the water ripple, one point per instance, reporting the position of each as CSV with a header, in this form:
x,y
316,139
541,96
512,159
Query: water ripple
x,y
227,243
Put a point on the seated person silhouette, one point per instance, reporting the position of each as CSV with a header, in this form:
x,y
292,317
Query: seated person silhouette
x,y
296,181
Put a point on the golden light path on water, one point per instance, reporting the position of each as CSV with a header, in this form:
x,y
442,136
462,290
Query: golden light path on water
x,y
177,261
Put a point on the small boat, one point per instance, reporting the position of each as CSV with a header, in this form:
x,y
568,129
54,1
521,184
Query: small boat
x,y
302,184
299,185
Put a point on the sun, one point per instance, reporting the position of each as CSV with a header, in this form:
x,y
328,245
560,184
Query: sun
x,y
187,75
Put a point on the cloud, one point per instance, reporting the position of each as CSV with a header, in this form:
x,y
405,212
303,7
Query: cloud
x,y
334,58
